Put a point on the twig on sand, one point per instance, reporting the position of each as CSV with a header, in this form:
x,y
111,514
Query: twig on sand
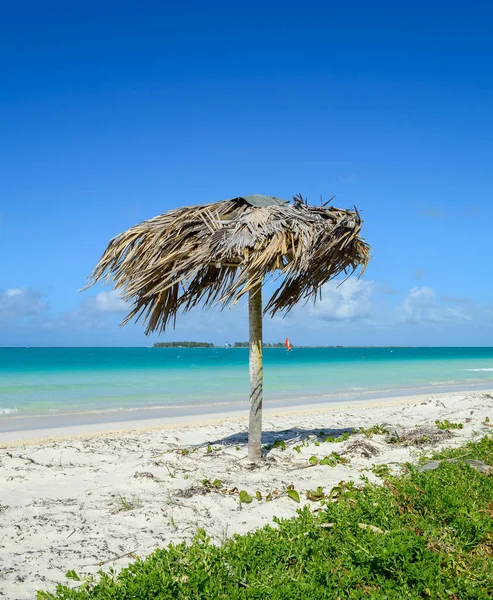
x,y
104,562
302,467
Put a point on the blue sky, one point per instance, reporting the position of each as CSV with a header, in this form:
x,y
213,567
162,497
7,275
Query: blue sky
x,y
111,113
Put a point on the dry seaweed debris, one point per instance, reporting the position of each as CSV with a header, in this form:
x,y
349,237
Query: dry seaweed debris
x,y
362,448
419,436
215,253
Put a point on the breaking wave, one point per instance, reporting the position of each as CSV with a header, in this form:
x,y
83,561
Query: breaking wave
x,y
8,411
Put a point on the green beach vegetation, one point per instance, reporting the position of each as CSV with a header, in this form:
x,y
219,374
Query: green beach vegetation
x,y
426,533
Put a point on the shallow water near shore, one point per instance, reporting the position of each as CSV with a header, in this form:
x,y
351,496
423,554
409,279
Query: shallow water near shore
x,y
75,383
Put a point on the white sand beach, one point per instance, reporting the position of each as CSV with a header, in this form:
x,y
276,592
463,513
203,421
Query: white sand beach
x,y
84,499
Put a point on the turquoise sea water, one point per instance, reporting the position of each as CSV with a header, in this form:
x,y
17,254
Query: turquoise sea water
x,y
68,381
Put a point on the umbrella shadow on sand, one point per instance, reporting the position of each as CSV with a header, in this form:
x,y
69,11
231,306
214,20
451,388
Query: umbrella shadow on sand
x,y
288,436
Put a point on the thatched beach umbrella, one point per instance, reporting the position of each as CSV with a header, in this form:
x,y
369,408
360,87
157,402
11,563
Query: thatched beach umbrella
x,y
216,253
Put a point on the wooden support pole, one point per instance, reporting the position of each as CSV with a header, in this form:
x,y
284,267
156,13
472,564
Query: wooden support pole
x,y
256,373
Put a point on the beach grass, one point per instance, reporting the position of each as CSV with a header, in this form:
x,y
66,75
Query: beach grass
x,y
422,534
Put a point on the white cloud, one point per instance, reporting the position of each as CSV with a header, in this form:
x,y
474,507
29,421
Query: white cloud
x,y
386,289
422,306
14,292
83,317
110,302
21,303
95,312
27,306
357,311
351,300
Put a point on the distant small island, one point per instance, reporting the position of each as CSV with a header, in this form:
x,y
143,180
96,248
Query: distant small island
x,y
183,345
246,345
265,345
209,345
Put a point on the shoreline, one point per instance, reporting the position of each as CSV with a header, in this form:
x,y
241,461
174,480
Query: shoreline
x,y
43,435
349,395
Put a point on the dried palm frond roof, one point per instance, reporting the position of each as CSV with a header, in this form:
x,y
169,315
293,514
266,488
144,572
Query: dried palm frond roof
x,y
217,252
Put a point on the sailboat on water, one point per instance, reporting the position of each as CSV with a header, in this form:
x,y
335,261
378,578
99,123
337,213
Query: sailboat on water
x,y
288,345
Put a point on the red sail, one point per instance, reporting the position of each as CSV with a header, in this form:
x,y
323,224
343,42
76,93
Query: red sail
x,y
288,345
